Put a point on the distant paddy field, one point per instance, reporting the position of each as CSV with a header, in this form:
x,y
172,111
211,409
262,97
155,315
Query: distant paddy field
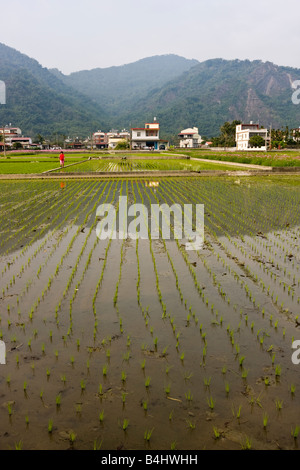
x,y
82,164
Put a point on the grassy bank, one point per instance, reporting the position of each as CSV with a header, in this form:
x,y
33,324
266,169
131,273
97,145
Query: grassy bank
x,y
272,158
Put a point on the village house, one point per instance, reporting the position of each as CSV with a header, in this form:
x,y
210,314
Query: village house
x,y
244,132
296,134
115,137
189,138
13,135
147,138
104,140
75,144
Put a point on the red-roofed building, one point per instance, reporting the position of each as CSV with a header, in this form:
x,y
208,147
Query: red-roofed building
x,y
147,138
13,135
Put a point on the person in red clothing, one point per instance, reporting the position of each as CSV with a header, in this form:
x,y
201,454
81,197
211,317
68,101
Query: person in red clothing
x,y
62,159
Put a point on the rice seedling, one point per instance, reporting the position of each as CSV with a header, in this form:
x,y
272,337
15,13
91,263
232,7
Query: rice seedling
x,y
97,445
217,433
9,409
125,424
190,424
124,397
278,404
82,385
19,445
145,405
207,381
148,434
295,432
246,443
105,370
101,416
147,382
277,371
211,402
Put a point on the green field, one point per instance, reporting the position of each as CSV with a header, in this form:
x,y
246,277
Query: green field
x,y
272,158
39,164
32,164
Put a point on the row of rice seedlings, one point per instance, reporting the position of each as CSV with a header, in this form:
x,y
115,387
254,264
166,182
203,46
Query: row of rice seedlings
x,y
35,305
70,280
22,270
41,217
21,215
275,326
100,280
49,237
124,228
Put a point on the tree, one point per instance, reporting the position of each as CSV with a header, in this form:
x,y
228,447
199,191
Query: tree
x,y
227,137
39,139
257,141
122,145
17,146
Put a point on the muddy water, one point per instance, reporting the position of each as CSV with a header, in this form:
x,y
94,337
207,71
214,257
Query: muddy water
x,y
157,357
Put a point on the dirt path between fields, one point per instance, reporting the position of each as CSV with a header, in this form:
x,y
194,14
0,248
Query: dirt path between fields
x,y
152,174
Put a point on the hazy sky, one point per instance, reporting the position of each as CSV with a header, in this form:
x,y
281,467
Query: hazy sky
x,y
75,35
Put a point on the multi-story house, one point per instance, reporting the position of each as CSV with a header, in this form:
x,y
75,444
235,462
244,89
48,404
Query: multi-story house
x,y
100,140
13,135
244,132
189,138
147,138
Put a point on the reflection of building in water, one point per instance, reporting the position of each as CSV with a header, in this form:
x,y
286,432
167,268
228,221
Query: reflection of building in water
x,y
152,184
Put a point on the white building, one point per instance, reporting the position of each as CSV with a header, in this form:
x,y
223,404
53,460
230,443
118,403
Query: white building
x,y
244,132
190,138
114,138
147,137
13,135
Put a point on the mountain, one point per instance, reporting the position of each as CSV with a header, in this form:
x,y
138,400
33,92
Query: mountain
x,y
39,102
181,93
116,88
216,91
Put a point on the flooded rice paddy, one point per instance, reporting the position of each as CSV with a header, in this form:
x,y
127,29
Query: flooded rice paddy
x,y
141,344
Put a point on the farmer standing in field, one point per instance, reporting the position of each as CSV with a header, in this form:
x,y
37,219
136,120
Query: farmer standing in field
x,y
62,159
